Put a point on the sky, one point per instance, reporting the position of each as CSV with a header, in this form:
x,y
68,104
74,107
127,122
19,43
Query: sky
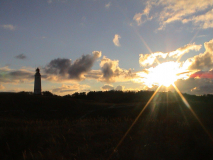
x,y
98,45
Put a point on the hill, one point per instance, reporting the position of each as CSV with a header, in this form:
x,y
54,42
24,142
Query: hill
x,y
90,126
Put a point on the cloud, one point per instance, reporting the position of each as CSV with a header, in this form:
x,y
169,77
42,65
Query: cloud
x,y
168,11
107,5
107,87
204,21
110,69
64,89
8,27
76,70
182,10
195,86
203,60
1,87
15,76
111,72
137,18
119,88
21,56
202,74
116,40
180,51
59,66
94,74
149,59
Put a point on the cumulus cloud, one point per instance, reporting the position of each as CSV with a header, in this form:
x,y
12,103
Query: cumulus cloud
x,y
107,5
76,70
203,60
21,56
107,87
149,59
119,88
116,40
8,27
111,71
65,89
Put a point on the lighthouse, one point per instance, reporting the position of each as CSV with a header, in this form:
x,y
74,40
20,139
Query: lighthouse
x,y
37,82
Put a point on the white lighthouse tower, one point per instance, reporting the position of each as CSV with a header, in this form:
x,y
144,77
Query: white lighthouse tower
x,y
37,83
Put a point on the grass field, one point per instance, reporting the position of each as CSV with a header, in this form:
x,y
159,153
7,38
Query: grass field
x,y
93,130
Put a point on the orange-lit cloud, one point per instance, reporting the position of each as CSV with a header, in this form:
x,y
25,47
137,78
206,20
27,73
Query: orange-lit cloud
x,y
149,59
203,74
168,11
142,17
111,72
116,40
203,61
1,87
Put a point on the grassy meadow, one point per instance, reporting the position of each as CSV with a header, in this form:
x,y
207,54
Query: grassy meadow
x,y
51,127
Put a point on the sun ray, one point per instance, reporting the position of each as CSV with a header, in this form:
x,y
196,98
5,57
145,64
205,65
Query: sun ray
x,y
136,119
194,114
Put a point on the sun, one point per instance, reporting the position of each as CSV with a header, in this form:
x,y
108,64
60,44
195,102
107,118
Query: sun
x,y
163,74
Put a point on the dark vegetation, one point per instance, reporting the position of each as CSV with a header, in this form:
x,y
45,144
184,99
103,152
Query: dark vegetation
x,y
89,126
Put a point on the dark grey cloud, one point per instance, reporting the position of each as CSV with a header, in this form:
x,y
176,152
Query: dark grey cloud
x,y
107,71
21,56
76,70
195,85
205,89
58,66
17,76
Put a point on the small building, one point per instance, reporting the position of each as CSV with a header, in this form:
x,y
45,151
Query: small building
x,y
37,82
